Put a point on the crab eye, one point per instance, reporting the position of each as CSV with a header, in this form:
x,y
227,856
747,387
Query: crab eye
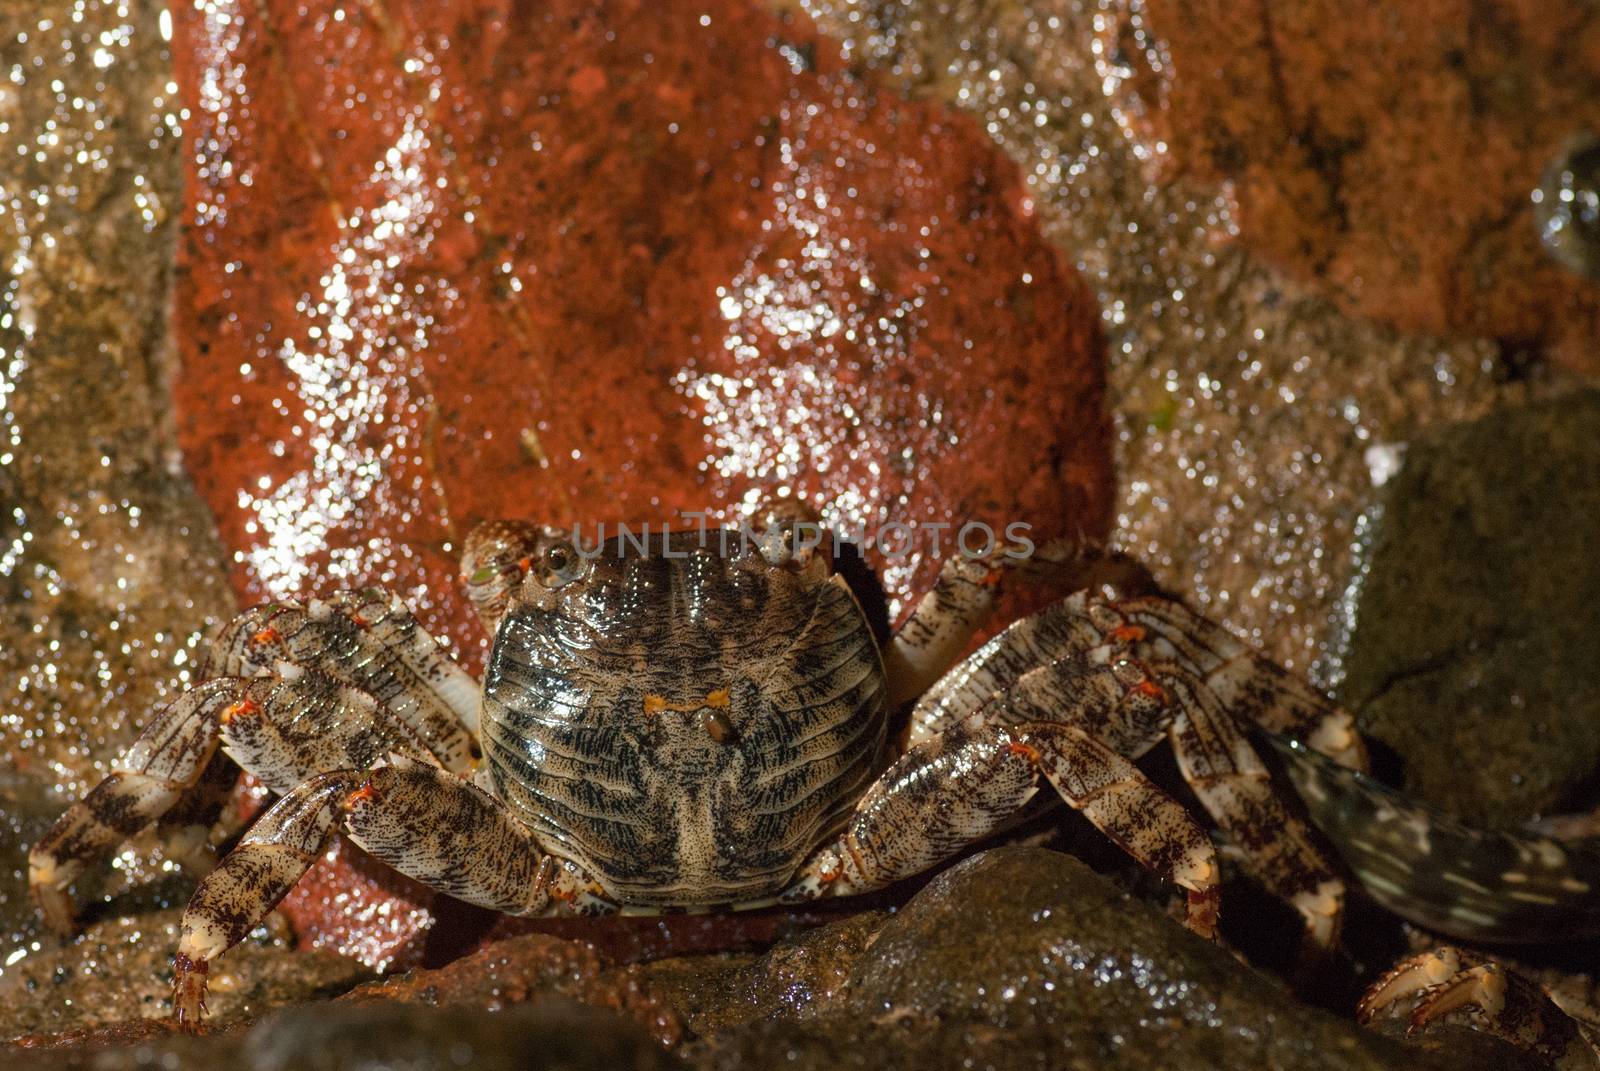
x,y
562,565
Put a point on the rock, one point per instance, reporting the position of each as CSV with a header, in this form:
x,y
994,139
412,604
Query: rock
x,y
109,571
1463,1046
1388,155
1473,655
120,971
627,283
793,979
1243,401
1022,957
551,1036
531,967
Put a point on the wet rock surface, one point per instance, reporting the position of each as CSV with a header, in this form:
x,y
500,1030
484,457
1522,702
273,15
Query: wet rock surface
x,y
1020,958
109,569
534,966
1244,403
1390,154
120,970
556,246
1473,655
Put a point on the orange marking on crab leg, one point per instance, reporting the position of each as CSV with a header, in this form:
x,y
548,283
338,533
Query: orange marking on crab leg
x,y
266,636
1128,634
1027,751
1151,689
244,708
367,793
525,564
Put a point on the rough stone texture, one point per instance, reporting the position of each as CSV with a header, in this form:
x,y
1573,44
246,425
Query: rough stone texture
x,y
1015,958
1244,403
553,1036
109,569
1020,958
792,979
121,970
1387,152
1476,618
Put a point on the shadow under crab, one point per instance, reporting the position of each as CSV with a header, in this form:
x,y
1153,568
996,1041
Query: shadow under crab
x,y
695,724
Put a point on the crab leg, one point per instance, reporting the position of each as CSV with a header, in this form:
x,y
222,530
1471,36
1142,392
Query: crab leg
x,y
186,829
428,824
940,626
963,784
1059,631
367,639
284,729
1235,787
309,712
1249,684
144,784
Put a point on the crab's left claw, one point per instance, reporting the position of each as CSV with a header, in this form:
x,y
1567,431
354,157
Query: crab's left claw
x,y
1448,984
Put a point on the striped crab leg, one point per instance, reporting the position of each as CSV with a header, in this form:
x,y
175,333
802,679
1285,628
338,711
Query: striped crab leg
x,y
964,783
427,823
1506,885
1250,685
330,684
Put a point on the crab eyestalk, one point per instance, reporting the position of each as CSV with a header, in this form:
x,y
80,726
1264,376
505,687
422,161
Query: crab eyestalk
x,y
496,558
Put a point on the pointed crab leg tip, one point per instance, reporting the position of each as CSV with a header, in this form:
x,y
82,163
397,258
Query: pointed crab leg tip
x,y
189,993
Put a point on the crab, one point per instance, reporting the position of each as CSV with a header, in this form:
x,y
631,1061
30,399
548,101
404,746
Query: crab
x,y
702,723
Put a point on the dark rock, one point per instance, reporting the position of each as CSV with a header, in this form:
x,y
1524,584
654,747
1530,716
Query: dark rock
x,y
553,1036
1026,958
793,979
1463,1046
1473,655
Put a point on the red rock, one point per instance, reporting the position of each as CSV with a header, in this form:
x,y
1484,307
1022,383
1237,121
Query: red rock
x,y
446,262
532,967
1387,152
